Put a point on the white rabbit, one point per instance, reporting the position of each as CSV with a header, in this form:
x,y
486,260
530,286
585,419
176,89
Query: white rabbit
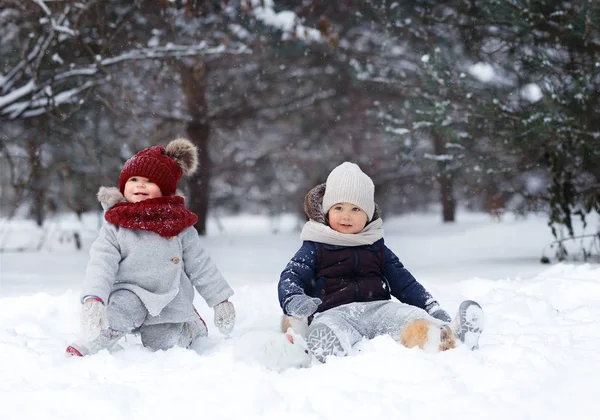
x,y
273,350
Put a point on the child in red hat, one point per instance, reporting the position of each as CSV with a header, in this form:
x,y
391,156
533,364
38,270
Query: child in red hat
x,y
148,259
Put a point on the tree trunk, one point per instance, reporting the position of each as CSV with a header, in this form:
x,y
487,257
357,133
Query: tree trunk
x,y
448,204
198,130
445,180
36,188
199,183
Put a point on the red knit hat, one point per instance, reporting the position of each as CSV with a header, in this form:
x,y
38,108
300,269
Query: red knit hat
x,y
163,166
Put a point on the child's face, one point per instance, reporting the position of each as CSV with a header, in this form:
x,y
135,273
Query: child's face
x,y
138,188
347,218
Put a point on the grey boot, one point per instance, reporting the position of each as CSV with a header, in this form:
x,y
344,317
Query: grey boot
x,y
106,340
468,324
323,342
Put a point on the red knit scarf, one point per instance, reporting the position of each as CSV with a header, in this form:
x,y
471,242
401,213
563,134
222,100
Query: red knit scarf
x,y
166,215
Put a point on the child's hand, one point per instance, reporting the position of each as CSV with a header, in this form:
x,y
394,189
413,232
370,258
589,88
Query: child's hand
x,y
225,317
93,318
440,314
302,306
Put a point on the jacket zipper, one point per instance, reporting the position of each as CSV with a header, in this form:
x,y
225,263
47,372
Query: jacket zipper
x,y
356,288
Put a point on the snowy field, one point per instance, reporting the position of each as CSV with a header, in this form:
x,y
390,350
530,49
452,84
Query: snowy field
x,y
539,356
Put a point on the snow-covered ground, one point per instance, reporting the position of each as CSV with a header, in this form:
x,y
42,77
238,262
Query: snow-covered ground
x,y
539,356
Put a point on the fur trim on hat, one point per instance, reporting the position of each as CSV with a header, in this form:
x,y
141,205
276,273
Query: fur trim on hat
x,y
313,205
184,153
109,196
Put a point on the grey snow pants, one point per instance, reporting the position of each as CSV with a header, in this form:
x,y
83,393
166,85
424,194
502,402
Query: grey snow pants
x,y
126,313
353,321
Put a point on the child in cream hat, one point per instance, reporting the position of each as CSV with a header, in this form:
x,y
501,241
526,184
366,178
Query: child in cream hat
x,y
342,279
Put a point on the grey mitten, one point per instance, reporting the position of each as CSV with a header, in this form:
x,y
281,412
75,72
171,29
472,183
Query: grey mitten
x,y
440,314
93,319
225,316
302,306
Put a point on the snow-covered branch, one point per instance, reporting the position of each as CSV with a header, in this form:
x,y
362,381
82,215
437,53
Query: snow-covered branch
x,y
298,103
33,98
438,158
43,6
16,94
44,78
397,130
286,21
171,50
39,104
39,50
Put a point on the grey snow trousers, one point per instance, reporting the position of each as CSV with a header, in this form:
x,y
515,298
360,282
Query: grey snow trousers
x,y
353,321
126,314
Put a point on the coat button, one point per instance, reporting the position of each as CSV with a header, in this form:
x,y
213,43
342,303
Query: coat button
x,y
175,260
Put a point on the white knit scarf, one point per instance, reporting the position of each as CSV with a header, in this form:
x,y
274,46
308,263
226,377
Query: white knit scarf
x,y
318,232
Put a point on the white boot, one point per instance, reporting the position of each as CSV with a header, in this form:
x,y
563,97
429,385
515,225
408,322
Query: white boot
x,y
468,324
106,340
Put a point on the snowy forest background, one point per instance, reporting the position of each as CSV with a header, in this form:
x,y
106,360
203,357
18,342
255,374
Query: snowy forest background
x,y
490,105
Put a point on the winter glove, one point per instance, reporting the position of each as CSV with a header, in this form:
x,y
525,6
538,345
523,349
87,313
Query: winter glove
x,y
225,316
302,306
440,314
93,318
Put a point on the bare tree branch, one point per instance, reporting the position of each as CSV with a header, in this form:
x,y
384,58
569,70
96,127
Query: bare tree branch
x,y
55,92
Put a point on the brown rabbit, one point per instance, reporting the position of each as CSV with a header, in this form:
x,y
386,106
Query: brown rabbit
x,y
427,336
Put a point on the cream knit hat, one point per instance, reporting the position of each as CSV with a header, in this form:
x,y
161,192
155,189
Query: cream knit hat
x,y
348,184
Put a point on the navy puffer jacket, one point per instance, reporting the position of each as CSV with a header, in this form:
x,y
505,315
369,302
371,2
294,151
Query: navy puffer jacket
x,y
338,275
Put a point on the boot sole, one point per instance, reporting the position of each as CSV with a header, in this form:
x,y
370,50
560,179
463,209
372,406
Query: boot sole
x,y
470,324
322,342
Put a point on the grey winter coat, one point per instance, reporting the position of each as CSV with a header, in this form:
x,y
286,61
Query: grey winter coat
x,y
162,272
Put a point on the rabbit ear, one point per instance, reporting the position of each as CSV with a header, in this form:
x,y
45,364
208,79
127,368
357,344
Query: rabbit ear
x,y
184,153
289,337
